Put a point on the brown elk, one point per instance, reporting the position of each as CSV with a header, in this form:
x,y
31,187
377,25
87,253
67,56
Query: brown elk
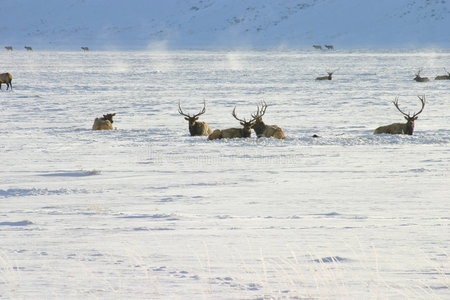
x,y
443,77
421,79
9,48
326,77
196,128
231,133
85,48
329,47
401,128
104,123
318,47
263,130
6,78
28,48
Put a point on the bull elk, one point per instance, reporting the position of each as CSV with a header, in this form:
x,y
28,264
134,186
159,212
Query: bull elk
x,y
443,77
104,123
28,48
326,77
85,48
196,128
6,78
263,130
421,79
401,128
9,48
318,47
329,47
231,133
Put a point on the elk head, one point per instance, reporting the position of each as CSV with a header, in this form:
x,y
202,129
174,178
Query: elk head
x,y
409,126
247,130
109,117
421,79
258,116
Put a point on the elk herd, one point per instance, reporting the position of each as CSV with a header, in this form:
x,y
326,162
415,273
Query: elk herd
x,y
255,122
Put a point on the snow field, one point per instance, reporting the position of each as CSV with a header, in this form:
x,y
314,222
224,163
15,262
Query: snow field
x,y
146,211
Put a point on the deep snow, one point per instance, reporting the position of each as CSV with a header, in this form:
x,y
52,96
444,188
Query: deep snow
x,y
217,24
148,212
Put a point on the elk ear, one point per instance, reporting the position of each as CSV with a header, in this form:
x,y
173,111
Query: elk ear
x,y
242,123
186,118
406,118
196,118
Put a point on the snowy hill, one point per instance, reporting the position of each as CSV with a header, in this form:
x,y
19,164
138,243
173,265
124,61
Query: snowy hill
x,y
211,24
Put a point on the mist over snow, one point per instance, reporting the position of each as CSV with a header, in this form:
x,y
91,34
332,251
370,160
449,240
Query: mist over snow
x,y
218,24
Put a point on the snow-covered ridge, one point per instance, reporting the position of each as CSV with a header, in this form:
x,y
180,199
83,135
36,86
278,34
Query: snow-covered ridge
x,y
211,24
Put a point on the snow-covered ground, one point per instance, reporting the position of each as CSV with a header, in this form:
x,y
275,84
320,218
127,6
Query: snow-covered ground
x,y
148,212
220,24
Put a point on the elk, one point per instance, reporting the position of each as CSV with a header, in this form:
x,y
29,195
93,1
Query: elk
x,y
9,48
28,48
231,133
326,77
443,77
104,123
85,48
196,128
329,47
401,128
318,47
421,79
6,78
263,130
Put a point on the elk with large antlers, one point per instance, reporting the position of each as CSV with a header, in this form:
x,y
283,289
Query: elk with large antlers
x,y
196,128
263,130
231,133
421,79
443,77
401,128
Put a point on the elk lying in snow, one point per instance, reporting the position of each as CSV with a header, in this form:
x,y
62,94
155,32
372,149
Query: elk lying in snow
x,y
263,130
231,133
28,48
9,48
196,128
6,78
401,128
421,79
326,77
104,123
443,77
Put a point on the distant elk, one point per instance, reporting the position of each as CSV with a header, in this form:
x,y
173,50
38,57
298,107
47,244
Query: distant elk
x,y
231,133
318,47
28,48
263,130
9,48
85,48
401,128
6,78
421,79
443,77
329,47
329,77
196,128
104,123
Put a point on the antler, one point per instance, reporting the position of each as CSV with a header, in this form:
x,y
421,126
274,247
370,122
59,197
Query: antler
x,y
418,73
260,111
240,120
180,111
396,105
415,114
423,105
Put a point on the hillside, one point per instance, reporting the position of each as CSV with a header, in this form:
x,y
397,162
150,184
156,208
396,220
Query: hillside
x,y
217,24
